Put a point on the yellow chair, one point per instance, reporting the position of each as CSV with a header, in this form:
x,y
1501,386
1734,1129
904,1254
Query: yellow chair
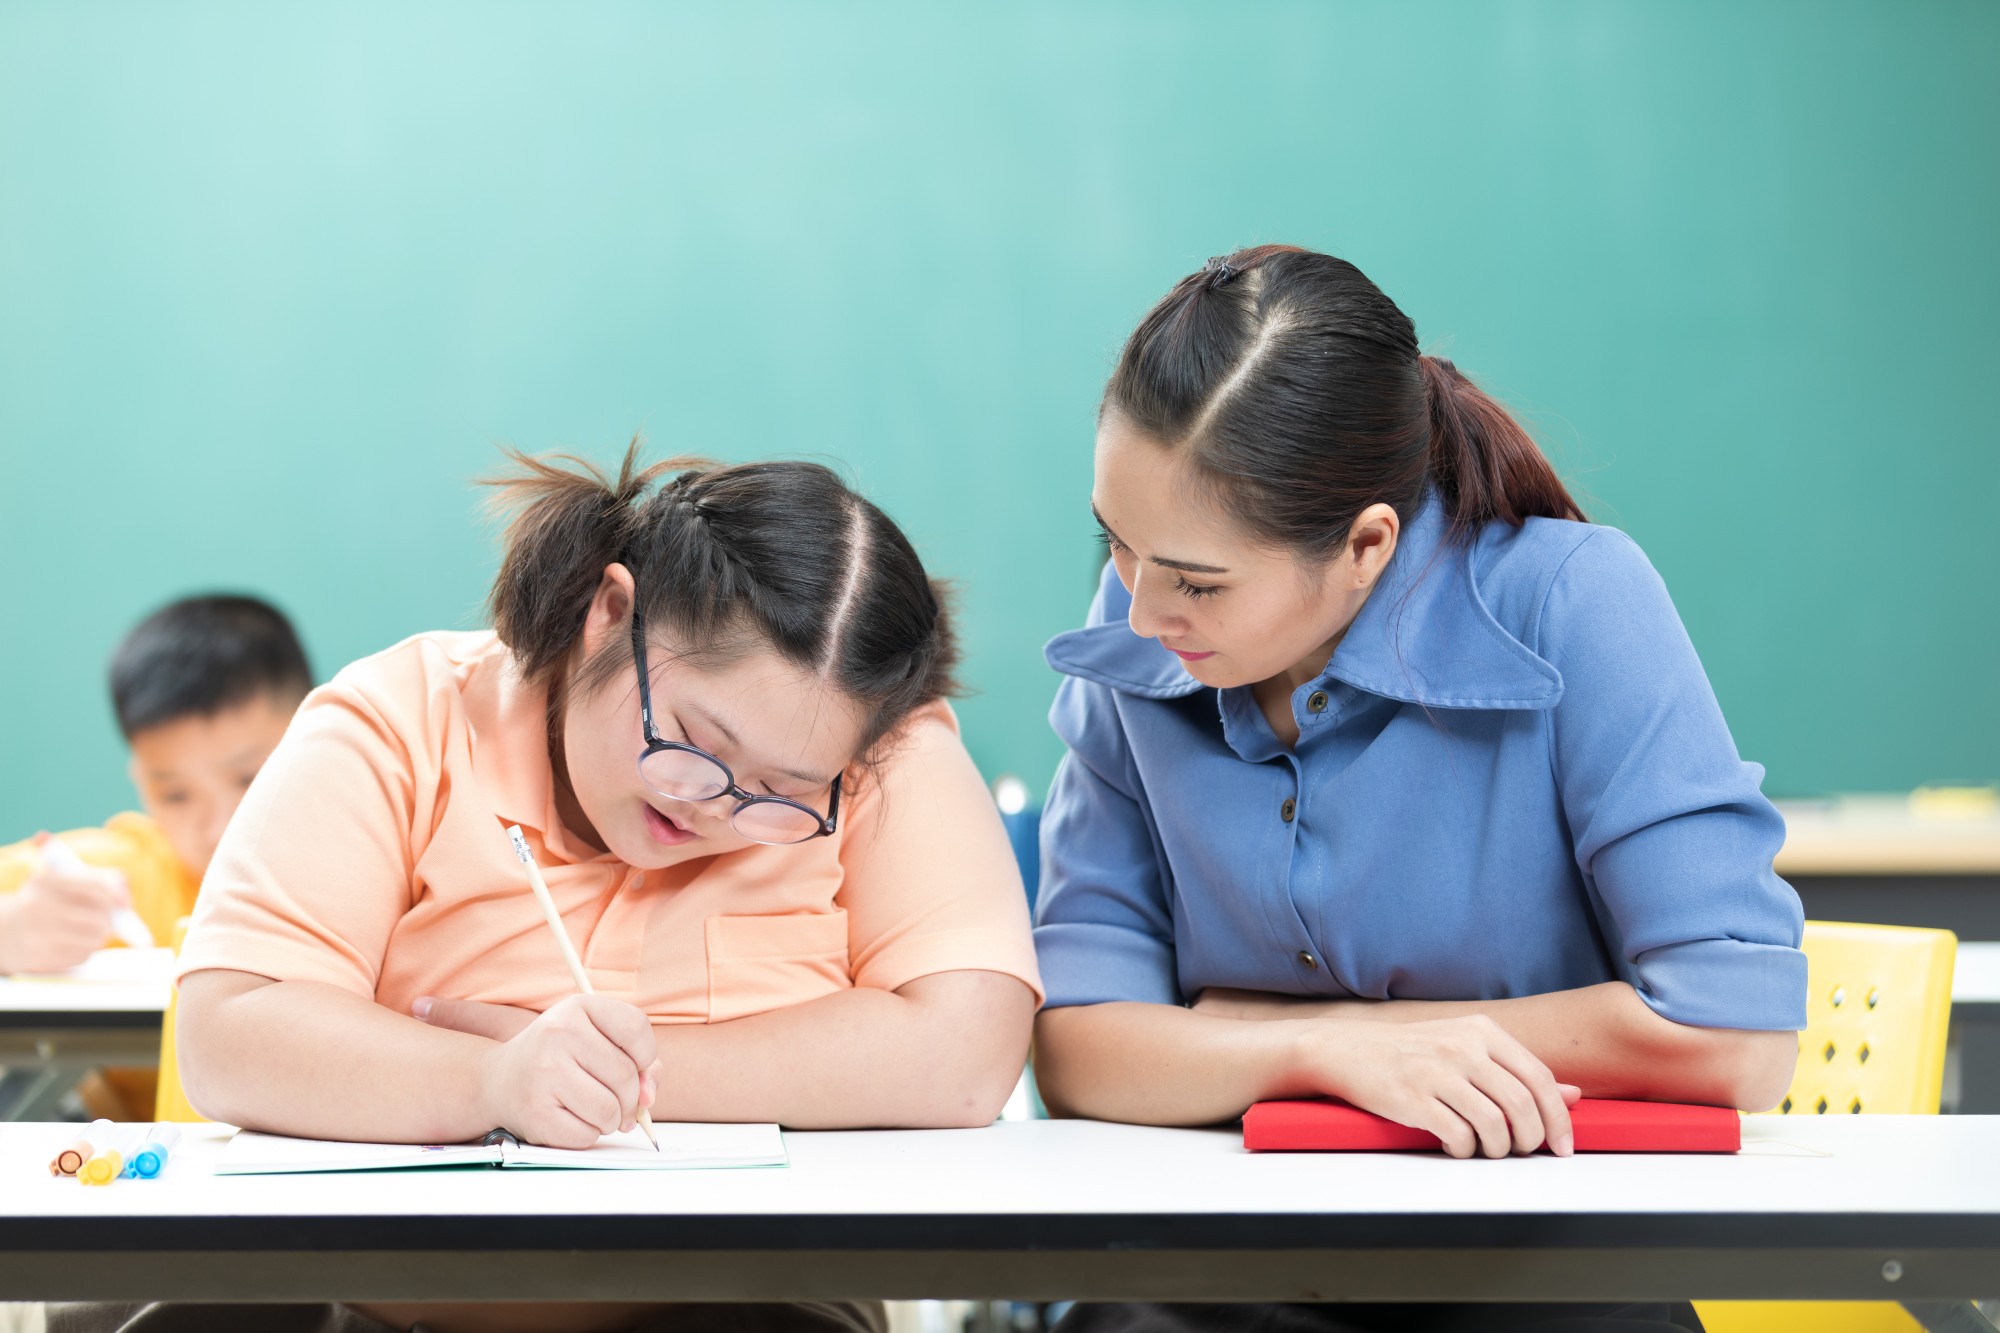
x,y
170,1103
1878,1004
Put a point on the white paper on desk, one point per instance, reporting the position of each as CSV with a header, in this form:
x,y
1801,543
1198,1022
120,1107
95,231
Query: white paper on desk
x,y
114,967
683,1147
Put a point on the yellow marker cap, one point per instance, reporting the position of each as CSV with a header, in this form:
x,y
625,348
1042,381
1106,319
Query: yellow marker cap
x,y
102,1169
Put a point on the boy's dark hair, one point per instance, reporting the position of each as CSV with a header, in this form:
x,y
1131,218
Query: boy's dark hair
x,y
200,655
726,558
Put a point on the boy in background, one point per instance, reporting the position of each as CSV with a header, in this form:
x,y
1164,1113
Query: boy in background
x,y
203,689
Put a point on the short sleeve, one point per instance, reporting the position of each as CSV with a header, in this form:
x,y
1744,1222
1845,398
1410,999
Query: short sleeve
x,y
1668,823
928,879
315,869
1102,927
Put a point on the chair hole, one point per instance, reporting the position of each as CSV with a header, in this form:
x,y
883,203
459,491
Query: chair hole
x,y
1821,1105
1839,996
1829,1052
1862,1054
1785,1106
1874,997
1854,1107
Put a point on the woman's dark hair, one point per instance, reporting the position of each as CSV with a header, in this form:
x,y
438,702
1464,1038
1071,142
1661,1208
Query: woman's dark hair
x,y
727,559
1296,390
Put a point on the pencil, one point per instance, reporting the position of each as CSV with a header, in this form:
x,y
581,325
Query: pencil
x,y
554,918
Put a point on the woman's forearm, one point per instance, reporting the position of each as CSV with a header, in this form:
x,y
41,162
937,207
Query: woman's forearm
x,y
944,1051
1603,1038
302,1058
1159,1064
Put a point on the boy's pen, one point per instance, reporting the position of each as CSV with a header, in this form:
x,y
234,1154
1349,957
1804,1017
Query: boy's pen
x,y
554,918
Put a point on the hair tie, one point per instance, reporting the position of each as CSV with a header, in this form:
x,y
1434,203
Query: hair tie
x,y
1220,271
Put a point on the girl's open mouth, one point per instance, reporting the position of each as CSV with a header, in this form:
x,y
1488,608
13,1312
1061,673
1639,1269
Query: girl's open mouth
x,y
665,830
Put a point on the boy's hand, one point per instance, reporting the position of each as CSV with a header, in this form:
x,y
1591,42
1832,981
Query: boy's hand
x,y
578,1072
59,917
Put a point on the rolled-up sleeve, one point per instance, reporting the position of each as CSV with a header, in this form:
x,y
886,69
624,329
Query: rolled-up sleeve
x,y
1103,929
1669,825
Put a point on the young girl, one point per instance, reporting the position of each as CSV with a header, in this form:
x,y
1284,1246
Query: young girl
x,y
716,710
1389,777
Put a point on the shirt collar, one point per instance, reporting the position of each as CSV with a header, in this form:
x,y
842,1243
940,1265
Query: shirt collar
x,y
510,752
1424,636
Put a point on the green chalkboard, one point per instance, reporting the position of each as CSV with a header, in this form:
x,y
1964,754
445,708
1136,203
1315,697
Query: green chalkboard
x,y
274,281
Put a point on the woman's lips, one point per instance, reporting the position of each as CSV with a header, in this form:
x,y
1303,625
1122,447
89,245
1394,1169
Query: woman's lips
x,y
1190,657
665,831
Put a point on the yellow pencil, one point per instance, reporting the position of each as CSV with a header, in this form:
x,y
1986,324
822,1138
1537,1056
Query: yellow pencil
x,y
554,918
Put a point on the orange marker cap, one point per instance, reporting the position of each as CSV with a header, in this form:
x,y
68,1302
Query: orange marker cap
x,y
66,1162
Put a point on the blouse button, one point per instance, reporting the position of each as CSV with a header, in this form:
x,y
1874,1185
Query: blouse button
x,y
1316,701
1312,963
1288,809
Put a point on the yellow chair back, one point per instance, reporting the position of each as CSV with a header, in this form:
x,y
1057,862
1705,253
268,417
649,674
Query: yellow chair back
x,y
170,1103
1878,1005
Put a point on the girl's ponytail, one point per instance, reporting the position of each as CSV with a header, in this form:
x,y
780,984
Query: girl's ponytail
x,y
1482,462
566,521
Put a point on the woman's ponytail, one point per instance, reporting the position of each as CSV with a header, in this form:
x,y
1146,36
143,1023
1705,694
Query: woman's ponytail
x,y
1298,393
1484,465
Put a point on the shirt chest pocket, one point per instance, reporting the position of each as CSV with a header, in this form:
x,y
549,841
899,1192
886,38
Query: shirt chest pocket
x,y
757,963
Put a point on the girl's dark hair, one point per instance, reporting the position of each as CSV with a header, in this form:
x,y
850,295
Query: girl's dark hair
x,y
1296,390
726,559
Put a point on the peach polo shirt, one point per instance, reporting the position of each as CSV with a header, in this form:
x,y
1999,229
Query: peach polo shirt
x,y
371,854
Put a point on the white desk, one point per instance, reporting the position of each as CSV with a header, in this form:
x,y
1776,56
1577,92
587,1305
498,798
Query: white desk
x,y
53,1029
1047,1210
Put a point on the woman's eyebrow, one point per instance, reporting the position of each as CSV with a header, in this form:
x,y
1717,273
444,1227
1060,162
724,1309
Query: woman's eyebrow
x,y
1186,565
729,735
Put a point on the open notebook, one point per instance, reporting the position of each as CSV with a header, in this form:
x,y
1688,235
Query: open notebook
x,y
683,1147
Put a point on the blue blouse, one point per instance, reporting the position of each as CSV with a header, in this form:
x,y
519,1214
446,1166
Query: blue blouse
x,y
1512,778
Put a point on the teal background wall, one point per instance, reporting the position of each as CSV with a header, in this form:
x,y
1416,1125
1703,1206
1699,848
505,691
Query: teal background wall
x,y
274,280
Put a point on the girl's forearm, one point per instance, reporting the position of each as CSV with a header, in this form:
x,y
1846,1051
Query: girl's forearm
x,y
316,1061
944,1051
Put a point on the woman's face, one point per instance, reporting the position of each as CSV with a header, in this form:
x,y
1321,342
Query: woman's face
x,y
1233,611
781,731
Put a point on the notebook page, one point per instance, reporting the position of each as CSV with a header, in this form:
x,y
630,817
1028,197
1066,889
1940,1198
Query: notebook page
x,y
682,1147
250,1153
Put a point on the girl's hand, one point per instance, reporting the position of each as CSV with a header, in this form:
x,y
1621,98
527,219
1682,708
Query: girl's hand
x,y
573,1074
1463,1079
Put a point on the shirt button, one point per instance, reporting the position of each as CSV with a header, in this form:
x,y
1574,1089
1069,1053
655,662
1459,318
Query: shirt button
x,y
1288,809
1312,963
1316,701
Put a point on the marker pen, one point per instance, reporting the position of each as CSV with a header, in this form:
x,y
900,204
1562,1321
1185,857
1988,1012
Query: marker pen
x,y
126,924
71,1159
150,1157
103,1166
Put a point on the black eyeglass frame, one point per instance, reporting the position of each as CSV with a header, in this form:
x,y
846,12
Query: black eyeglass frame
x,y
826,824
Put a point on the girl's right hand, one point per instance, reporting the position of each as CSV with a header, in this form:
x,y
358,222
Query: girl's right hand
x,y
1463,1079
576,1073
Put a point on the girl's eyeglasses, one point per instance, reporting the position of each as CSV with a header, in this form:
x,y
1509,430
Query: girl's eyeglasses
x,y
682,772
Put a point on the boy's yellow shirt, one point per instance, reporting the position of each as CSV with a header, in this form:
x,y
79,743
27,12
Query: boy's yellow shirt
x,y
162,888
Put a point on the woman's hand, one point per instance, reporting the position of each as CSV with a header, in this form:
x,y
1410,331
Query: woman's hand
x,y
569,1076
1463,1079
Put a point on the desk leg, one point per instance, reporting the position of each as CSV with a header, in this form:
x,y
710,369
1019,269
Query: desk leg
x,y
1977,1030
1954,1316
31,1094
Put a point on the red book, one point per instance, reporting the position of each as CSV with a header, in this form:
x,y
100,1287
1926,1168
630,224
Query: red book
x,y
1601,1126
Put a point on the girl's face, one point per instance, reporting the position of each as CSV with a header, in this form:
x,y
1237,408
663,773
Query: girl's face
x,y
781,731
1233,611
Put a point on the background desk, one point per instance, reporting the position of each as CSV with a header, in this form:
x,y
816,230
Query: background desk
x,y
1874,859
52,1032
1041,1210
